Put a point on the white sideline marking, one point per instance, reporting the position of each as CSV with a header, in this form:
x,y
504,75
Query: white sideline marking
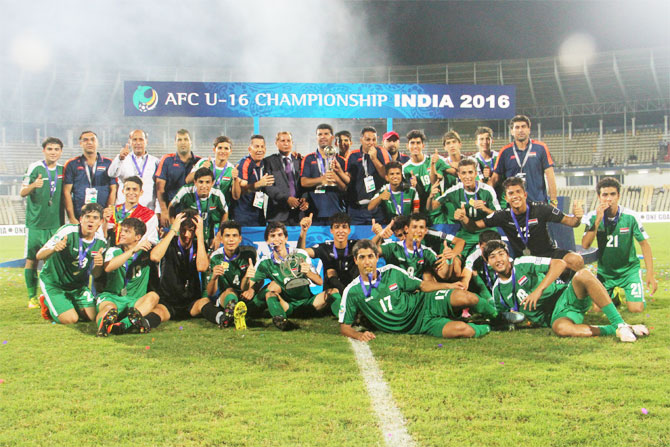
x,y
391,420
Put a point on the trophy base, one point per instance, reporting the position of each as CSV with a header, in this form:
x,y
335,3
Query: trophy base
x,y
297,283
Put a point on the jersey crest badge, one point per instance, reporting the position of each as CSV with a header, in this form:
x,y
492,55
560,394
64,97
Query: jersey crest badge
x,y
624,230
523,280
393,287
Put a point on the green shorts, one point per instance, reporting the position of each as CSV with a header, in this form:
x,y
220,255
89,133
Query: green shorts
x,y
569,306
122,303
303,307
35,240
631,283
478,287
437,312
59,300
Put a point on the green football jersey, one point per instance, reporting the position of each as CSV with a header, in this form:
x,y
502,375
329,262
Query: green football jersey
x,y
441,167
211,209
391,304
43,205
422,173
475,263
481,163
236,267
457,195
70,268
133,276
415,262
269,268
400,203
616,250
223,178
527,273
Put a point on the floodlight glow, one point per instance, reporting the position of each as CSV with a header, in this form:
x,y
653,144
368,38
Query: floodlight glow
x,y
30,53
577,50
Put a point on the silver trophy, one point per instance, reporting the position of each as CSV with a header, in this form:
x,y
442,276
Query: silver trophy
x,y
290,269
330,152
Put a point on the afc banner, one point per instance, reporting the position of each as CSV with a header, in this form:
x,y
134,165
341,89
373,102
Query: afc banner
x,y
303,100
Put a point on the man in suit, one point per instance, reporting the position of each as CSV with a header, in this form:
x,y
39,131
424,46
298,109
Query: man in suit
x,y
285,203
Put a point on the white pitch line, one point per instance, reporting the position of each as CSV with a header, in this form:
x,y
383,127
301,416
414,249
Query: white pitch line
x,y
394,428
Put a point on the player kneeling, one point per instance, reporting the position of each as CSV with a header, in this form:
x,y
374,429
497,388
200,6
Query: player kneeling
x,y
71,255
395,301
528,285
230,267
125,294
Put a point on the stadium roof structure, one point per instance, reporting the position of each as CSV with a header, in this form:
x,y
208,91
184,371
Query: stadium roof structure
x,y
631,80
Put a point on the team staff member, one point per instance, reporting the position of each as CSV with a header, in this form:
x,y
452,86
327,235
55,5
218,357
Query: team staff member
x,y
324,183
86,179
391,141
285,201
71,256
528,159
343,142
171,173
365,167
140,164
525,224
43,188
250,209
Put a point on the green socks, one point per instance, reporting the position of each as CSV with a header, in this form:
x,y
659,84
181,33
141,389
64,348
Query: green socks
x,y
480,329
612,314
228,298
485,308
275,307
30,276
607,330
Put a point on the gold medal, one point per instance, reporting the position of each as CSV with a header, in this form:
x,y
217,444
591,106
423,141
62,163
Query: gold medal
x,y
472,202
225,265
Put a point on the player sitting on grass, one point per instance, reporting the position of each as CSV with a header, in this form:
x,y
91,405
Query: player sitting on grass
x,y
72,255
125,294
389,297
477,276
528,285
397,197
283,301
228,266
182,261
615,228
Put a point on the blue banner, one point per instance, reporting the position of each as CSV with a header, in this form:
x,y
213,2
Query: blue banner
x,y
302,100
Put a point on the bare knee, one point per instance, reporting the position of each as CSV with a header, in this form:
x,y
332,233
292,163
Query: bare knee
x,y
463,298
152,299
635,307
457,329
69,317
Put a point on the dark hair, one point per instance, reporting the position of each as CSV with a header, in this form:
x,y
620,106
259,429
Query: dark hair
x,y
400,222
52,140
514,181
184,132
230,225
134,179
172,212
325,126
136,224
393,165
415,133
203,172
364,244
189,218
467,161
257,137
451,135
339,218
272,226
482,130
518,118
222,139
417,217
608,182
492,246
343,133
91,208
368,129
87,131
489,235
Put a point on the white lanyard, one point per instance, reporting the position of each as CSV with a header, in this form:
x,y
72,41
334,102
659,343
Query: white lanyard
x,y
88,174
516,155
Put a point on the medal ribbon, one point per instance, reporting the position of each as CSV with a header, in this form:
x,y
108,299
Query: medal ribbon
x,y
395,203
227,259
217,182
374,285
417,249
127,264
526,233
140,172
612,222
275,252
52,183
465,197
514,298
322,163
183,252
346,253
83,253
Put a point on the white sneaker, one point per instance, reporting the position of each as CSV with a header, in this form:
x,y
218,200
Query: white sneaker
x,y
640,330
625,333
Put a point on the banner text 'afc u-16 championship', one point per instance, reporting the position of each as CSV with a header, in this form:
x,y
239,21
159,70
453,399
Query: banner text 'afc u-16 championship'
x,y
302,100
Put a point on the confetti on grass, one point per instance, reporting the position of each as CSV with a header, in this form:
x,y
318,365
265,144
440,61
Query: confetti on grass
x,y
147,348
440,345
644,411
4,342
181,328
2,380
502,363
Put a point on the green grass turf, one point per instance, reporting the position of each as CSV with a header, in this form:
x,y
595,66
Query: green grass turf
x,y
198,385
12,248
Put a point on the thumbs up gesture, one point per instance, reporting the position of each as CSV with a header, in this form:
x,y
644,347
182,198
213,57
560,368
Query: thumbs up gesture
x,y
251,270
435,157
306,222
459,214
60,245
39,181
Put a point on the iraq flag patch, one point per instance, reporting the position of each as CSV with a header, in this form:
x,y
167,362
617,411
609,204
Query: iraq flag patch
x,y
523,280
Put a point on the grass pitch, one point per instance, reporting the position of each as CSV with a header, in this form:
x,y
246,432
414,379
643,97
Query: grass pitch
x,y
191,384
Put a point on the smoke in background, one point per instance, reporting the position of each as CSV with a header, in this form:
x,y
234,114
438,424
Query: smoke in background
x,y
61,60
